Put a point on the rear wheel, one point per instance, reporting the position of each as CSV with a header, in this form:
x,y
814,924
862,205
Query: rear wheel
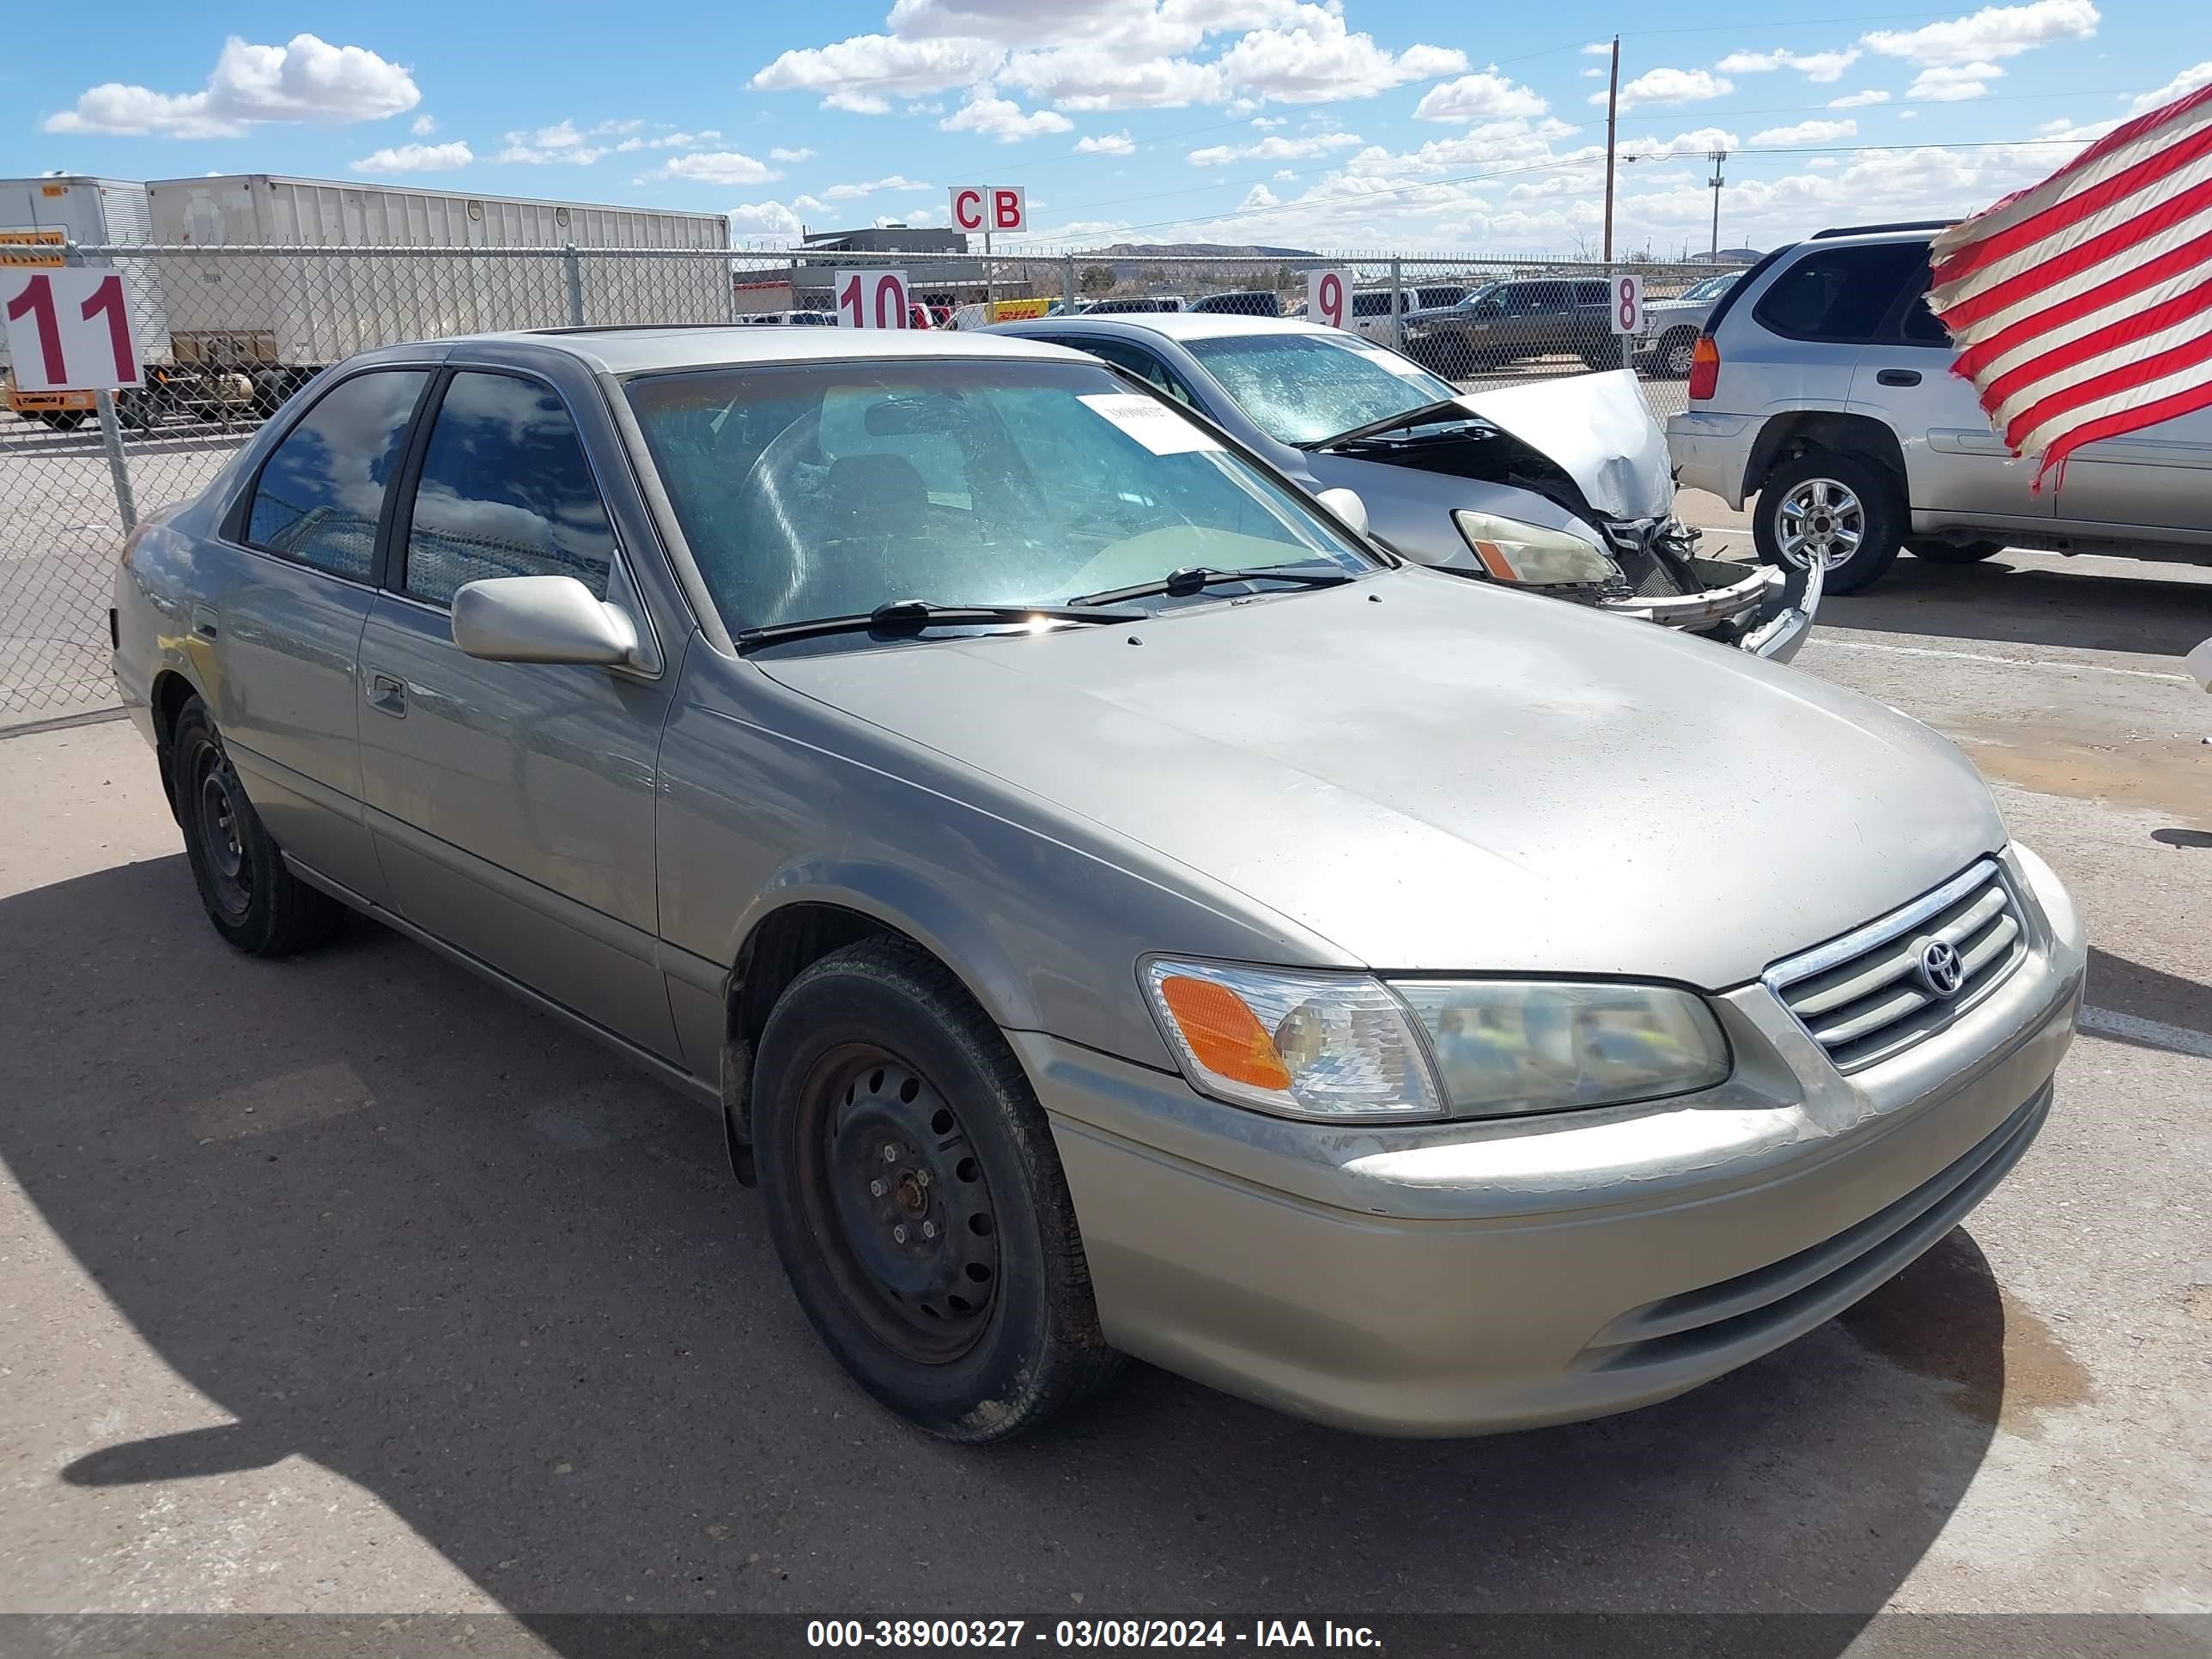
x,y
1835,508
916,1199
63,420
1672,356
1954,552
253,900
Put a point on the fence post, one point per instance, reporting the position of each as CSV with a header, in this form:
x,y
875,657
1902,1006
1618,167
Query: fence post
x,y
572,266
1397,303
111,440
1067,284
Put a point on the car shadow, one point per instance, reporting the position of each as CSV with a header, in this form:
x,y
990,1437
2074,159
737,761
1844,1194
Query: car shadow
x,y
2140,613
2146,994
391,1220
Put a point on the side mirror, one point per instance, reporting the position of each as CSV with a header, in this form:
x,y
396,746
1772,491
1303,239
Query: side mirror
x,y
542,619
1348,505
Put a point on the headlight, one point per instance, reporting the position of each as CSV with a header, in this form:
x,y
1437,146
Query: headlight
x,y
1332,1046
1514,552
1345,1047
1511,1046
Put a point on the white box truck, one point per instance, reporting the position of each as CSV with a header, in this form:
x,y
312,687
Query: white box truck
x,y
38,217
285,277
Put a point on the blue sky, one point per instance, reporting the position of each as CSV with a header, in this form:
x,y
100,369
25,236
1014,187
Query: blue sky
x,y
1364,124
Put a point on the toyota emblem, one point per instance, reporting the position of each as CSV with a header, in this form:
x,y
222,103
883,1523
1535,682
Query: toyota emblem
x,y
1940,971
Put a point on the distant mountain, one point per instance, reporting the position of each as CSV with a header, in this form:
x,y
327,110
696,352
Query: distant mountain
x,y
1202,249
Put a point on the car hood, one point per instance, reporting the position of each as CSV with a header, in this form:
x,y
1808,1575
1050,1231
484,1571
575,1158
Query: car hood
x,y
1601,432
1435,775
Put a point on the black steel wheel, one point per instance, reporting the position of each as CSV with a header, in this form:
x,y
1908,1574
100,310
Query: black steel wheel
x,y
916,1199
253,900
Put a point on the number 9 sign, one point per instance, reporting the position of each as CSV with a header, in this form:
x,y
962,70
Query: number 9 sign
x,y
1326,300
873,299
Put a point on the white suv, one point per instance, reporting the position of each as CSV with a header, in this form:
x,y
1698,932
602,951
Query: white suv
x,y
1824,387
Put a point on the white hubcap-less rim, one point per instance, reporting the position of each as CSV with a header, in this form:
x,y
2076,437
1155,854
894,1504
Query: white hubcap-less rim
x,y
1819,519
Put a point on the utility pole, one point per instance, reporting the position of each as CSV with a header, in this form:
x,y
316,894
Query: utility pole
x,y
1719,156
1611,125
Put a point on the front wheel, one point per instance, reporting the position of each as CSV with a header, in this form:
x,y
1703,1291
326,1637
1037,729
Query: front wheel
x,y
1676,351
916,1200
253,900
1836,508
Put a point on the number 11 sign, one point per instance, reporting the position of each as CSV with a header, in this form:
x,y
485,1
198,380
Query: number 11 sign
x,y
68,330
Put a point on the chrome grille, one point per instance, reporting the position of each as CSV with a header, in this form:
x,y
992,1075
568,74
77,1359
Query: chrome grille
x,y
1875,992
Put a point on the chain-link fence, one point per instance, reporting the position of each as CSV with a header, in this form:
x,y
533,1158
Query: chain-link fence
x,y
229,333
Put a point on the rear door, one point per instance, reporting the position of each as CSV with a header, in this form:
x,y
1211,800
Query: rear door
x,y
283,620
512,802
2159,478
1955,463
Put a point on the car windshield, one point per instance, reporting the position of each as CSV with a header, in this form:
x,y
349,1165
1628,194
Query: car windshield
x,y
1301,388
824,490
1711,288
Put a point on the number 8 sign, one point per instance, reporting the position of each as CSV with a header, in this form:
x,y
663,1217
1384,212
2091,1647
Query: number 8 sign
x,y
68,330
1627,303
873,299
1325,303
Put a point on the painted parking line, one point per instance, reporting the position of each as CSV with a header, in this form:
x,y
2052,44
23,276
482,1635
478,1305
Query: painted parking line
x,y
2068,663
2149,1033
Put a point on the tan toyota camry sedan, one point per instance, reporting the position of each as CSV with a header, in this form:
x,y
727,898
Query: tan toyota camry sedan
x,y
1115,908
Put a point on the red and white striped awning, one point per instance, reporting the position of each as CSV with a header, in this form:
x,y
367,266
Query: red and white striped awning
x,y
2083,308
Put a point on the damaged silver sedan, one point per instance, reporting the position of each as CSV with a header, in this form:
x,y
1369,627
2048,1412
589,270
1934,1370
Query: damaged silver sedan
x,y
1560,487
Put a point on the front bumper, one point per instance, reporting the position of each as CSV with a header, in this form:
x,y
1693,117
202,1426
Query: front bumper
x,y
1472,1278
1766,610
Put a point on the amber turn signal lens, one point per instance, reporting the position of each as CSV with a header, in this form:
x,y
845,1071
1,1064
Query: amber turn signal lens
x,y
1225,1035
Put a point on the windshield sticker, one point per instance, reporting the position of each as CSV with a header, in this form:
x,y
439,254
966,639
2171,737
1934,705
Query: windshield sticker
x,y
1404,368
1150,422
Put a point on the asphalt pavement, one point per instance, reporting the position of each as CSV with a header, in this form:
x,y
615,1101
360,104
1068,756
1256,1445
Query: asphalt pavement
x,y
348,1286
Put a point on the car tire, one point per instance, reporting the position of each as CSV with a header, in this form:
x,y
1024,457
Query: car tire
x,y
1954,552
916,1198
1848,511
1671,357
63,420
253,900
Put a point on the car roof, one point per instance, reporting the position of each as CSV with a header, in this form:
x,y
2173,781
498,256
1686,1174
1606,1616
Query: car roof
x,y
629,350
1168,325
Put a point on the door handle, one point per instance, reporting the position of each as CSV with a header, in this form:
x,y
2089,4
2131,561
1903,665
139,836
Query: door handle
x,y
387,694
203,622
1898,377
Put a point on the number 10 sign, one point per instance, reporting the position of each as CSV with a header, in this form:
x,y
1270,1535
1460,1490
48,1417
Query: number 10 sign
x,y
68,329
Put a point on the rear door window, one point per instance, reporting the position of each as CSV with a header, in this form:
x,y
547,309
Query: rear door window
x,y
1916,325
1590,294
321,491
1840,294
505,491
1138,360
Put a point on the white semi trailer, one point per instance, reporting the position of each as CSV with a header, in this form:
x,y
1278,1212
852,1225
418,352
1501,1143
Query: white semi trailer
x,y
40,220
280,277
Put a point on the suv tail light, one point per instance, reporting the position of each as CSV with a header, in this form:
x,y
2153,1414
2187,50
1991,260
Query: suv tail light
x,y
1705,368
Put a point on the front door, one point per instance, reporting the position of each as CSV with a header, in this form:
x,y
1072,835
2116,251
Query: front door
x,y
283,620
512,802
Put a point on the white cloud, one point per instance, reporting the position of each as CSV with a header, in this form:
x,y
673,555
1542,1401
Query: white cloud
x,y
1317,60
1993,33
1598,49
1859,99
415,158
1704,141
2196,76
1807,132
873,186
423,125
1274,148
1593,73
669,140
1281,173
857,103
782,154
1106,143
1264,122
716,166
764,219
930,107
1002,119
1670,86
1485,96
306,79
1258,196
559,144
1092,77
1908,115
1953,84
860,70
1822,66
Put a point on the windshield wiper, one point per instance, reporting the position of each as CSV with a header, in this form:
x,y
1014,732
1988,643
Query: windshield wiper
x,y
1197,578
1448,409
912,616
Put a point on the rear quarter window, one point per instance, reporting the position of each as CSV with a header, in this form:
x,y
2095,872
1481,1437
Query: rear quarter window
x,y
1840,294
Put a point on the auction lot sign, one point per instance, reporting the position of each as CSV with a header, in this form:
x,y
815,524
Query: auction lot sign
x,y
68,329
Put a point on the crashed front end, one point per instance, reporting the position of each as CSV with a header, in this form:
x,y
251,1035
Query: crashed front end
x,y
1563,488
